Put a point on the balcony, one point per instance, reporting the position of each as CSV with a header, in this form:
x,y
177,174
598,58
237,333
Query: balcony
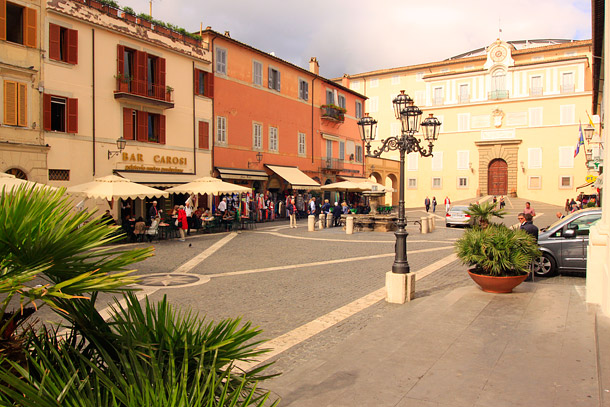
x,y
536,92
498,95
332,164
333,113
567,88
463,99
144,92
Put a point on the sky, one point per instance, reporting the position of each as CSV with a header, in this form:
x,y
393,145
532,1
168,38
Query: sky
x,y
360,36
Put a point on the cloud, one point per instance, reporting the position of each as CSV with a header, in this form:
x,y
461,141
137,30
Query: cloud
x,y
357,36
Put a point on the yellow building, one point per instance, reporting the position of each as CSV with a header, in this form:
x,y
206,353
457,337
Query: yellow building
x,y
510,115
23,152
109,76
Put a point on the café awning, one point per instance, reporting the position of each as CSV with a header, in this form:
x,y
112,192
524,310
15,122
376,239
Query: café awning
x,y
295,177
240,173
157,180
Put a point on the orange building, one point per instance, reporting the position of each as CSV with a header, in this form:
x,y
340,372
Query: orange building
x,y
277,126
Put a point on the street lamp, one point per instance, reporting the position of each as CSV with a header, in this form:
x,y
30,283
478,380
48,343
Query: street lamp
x,y
405,143
589,131
120,144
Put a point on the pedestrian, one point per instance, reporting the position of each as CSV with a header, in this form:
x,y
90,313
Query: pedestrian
x,y
447,204
222,206
559,215
502,202
181,222
568,206
337,214
326,207
311,209
344,208
529,209
433,204
188,210
495,200
153,212
427,204
527,224
292,213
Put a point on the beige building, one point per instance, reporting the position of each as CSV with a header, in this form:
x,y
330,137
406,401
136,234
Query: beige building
x,y
107,77
23,152
510,118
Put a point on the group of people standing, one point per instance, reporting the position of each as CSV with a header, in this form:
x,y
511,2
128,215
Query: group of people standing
x,y
432,203
581,201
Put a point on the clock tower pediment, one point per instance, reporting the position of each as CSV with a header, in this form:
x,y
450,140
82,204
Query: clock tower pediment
x,y
499,53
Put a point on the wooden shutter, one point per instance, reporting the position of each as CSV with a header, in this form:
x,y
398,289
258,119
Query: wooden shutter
x,y
204,135
196,73
72,48
30,27
209,85
142,126
160,80
161,129
22,105
120,57
3,20
269,77
10,103
72,115
141,73
46,111
54,43
279,81
127,123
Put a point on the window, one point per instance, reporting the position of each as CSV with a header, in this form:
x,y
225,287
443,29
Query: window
x,y
358,151
463,160
412,183
567,82
566,157
141,73
534,158
565,182
463,121
373,104
273,139
420,98
464,96
274,79
257,136
257,73
342,150
63,44
204,83
419,76
395,80
143,126
330,97
221,61
59,175
374,82
204,135
536,85
437,183
358,109
395,129
566,114
498,85
221,130
437,96
534,182
535,116
355,85
60,114
303,89
341,101
412,161
583,224
15,104
18,24
329,149
302,144
462,182
437,161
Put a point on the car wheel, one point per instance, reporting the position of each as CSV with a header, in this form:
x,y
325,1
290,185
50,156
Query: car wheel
x,y
447,225
545,266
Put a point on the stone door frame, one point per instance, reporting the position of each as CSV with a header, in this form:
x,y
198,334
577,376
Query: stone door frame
x,y
507,150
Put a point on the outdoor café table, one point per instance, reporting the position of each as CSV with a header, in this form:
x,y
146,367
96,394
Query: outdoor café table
x,y
164,230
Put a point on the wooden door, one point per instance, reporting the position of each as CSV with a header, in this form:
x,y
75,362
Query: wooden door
x,y
497,183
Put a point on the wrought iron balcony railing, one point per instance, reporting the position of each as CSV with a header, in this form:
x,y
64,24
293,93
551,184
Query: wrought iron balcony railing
x,y
332,112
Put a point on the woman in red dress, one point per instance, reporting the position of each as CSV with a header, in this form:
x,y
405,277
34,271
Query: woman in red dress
x,y
182,222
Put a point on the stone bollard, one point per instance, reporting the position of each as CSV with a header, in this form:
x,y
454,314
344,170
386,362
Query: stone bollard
x,y
311,223
431,225
349,225
424,224
329,220
321,221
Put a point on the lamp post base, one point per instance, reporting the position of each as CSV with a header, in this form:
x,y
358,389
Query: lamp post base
x,y
400,288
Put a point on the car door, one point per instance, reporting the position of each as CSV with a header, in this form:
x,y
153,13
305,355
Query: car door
x,y
574,249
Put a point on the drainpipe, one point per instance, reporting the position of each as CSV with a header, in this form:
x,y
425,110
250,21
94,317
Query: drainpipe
x,y
93,95
213,103
194,124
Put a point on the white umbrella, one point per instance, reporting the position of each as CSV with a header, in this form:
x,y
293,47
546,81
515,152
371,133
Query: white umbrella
x,y
114,187
9,181
355,186
209,185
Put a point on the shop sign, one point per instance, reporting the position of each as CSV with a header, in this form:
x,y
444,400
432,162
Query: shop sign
x,y
160,163
591,178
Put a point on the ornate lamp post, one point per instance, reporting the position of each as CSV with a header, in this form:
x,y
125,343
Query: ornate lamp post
x,y
405,143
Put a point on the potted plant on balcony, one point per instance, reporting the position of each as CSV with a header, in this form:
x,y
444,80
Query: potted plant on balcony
x,y
499,257
168,91
161,27
123,82
145,20
111,7
129,14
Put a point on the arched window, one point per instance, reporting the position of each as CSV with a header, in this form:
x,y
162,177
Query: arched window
x,y
17,173
498,80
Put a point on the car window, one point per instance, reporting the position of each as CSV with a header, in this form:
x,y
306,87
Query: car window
x,y
583,223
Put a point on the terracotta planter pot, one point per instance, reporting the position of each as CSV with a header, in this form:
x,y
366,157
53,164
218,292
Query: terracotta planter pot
x,y
112,11
161,29
96,4
493,284
144,23
190,40
129,17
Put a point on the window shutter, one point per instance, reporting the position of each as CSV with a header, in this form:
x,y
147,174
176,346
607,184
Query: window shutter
x,y
72,47
209,85
3,20
269,77
72,115
30,27
279,81
161,74
10,103
140,73
46,111
54,43
196,75
161,129
120,59
142,126
127,123
204,135
22,117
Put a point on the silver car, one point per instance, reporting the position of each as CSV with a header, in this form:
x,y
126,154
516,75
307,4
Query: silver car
x,y
564,243
457,216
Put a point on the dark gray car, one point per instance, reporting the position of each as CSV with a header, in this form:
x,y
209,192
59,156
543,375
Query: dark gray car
x,y
564,243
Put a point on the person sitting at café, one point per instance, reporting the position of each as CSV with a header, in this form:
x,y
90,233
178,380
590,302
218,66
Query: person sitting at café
x,y
139,229
153,230
128,226
107,218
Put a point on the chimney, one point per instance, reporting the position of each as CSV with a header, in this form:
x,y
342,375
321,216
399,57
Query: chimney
x,y
314,67
227,34
345,80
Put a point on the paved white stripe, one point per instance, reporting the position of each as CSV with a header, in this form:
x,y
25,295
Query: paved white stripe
x,y
304,332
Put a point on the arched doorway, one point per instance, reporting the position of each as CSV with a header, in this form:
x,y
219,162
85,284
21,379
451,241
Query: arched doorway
x,y
497,177
17,173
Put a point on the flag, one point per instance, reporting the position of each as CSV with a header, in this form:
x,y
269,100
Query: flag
x,y
590,121
580,142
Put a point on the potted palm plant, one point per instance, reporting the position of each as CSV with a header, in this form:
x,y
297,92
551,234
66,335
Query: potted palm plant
x,y
499,257
482,214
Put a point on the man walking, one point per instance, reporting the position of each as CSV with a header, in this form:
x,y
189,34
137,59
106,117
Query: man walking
x,y
447,204
529,209
527,225
427,204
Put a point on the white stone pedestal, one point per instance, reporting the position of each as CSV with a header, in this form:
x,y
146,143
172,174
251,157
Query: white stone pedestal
x,y
321,221
349,225
400,288
311,223
424,224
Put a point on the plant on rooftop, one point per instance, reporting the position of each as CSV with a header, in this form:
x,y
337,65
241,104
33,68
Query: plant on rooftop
x,y
145,17
111,3
129,10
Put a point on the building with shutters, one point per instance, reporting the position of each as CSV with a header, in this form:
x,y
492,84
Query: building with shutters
x,y
511,114
23,151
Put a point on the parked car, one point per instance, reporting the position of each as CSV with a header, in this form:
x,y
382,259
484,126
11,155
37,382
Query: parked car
x,y
457,216
564,243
